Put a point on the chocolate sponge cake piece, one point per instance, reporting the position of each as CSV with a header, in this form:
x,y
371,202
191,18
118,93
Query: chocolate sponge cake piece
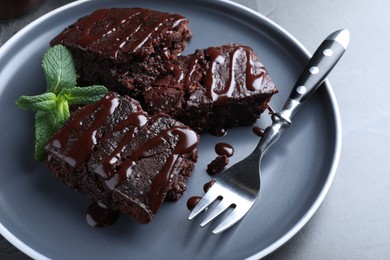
x,y
122,157
213,89
124,48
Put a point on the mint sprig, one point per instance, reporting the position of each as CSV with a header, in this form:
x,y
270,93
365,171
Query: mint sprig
x,y
52,107
45,127
84,95
59,69
43,102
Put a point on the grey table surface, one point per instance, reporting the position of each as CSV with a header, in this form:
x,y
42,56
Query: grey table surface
x,y
353,222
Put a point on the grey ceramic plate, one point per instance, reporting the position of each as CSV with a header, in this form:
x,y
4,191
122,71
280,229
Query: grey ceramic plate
x,y
44,218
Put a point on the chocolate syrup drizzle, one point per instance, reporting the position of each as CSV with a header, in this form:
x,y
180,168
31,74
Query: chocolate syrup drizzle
x,y
91,31
258,131
208,185
79,153
186,141
220,67
192,201
99,215
132,122
224,149
219,89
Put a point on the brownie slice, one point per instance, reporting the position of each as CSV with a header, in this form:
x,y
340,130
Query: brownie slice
x,y
124,48
122,157
213,89
134,51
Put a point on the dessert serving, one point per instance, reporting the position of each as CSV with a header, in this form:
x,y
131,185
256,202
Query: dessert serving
x,y
213,89
124,48
135,143
136,51
122,157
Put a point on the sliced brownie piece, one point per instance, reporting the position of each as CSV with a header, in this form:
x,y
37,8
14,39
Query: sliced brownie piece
x,y
135,51
122,157
213,89
124,46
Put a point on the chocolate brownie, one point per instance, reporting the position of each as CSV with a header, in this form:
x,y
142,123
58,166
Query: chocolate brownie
x,y
135,51
124,48
122,157
213,89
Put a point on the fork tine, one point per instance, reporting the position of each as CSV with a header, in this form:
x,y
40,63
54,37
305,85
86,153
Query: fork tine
x,y
238,213
206,200
221,207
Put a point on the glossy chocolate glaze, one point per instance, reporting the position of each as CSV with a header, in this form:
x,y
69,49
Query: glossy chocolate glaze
x,y
130,124
187,141
224,149
117,31
230,71
222,78
181,140
99,215
219,132
192,201
215,79
137,52
258,131
208,185
86,142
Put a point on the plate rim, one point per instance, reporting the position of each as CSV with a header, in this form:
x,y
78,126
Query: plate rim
x,y
332,99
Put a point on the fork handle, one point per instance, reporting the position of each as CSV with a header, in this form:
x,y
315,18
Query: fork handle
x,y
321,63
323,60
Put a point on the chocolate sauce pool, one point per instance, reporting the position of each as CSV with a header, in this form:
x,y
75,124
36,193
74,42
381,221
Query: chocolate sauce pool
x,y
191,202
208,185
99,215
224,149
258,131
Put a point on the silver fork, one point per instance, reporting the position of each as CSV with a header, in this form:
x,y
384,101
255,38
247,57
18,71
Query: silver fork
x,y
239,186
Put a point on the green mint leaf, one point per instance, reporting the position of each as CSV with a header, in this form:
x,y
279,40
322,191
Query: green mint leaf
x,y
59,69
84,95
62,112
52,107
43,102
45,127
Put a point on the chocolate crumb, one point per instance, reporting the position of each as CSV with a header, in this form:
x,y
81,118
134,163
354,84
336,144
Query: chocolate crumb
x,y
217,165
